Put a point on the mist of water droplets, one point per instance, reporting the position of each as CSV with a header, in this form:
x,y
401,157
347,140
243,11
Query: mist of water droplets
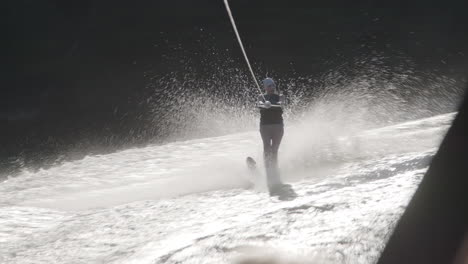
x,y
362,93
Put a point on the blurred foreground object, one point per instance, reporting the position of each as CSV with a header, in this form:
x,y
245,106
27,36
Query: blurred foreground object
x,y
433,228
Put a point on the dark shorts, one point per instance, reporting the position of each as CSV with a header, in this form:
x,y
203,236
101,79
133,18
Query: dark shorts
x,y
271,136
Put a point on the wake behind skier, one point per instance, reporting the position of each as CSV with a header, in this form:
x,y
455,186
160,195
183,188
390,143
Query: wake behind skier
x,y
271,130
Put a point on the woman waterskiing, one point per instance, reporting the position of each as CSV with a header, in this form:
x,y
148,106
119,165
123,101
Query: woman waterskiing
x,y
271,129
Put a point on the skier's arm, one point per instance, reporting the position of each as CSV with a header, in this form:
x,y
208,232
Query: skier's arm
x,y
260,102
282,101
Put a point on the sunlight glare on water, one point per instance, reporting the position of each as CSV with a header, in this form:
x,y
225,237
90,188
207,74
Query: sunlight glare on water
x,y
355,150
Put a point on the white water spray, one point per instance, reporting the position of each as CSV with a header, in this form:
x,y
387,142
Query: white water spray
x,y
242,46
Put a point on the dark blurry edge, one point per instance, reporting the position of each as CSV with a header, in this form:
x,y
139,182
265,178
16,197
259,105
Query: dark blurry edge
x,y
435,223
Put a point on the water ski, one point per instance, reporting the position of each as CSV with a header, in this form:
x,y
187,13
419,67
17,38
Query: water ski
x,y
251,164
253,172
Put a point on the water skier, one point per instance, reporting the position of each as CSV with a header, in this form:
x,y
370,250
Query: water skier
x,y
271,130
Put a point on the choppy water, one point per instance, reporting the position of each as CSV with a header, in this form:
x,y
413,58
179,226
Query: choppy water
x,y
183,202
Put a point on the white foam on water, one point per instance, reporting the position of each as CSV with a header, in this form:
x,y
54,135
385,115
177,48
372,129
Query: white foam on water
x,y
179,168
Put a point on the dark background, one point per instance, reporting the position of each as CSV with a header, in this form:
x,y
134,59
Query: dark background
x,y
77,72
